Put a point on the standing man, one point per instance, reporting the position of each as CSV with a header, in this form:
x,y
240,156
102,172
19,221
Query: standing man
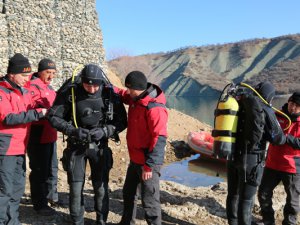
x,y
283,165
146,141
16,113
41,148
257,125
89,115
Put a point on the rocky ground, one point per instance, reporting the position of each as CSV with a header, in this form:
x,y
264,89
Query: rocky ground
x,y
181,205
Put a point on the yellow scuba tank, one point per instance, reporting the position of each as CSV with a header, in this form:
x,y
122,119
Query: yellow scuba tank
x,y
226,119
225,125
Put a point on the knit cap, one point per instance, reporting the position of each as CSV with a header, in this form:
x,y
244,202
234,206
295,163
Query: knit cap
x,y
295,98
46,64
266,90
136,80
18,64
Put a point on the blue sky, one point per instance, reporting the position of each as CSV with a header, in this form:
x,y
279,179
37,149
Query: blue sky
x,y
137,27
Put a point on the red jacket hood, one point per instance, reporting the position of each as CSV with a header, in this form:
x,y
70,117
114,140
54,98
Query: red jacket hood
x,y
155,95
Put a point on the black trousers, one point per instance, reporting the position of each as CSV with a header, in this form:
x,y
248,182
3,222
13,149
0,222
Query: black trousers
x,y
43,176
243,177
150,195
53,176
291,183
74,162
12,186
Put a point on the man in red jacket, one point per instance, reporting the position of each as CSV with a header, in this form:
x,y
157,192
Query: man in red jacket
x,y
283,165
16,114
42,144
146,141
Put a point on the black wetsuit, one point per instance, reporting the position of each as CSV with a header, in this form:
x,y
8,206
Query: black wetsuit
x,y
245,167
91,112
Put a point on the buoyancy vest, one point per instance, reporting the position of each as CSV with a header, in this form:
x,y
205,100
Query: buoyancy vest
x,y
90,108
76,107
251,122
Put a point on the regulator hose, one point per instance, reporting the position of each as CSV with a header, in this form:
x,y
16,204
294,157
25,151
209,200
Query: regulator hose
x,y
264,101
73,93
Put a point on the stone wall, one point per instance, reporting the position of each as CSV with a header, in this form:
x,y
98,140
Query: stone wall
x,y
66,31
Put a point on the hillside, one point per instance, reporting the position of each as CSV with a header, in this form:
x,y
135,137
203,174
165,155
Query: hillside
x,y
205,70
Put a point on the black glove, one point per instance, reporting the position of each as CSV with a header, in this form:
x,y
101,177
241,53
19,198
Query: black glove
x,y
279,139
109,130
80,133
97,134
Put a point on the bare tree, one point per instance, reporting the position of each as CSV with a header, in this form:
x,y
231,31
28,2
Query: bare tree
x,y
115,53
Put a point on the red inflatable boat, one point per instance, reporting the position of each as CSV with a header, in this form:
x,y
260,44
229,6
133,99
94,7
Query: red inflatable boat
x,y
202,142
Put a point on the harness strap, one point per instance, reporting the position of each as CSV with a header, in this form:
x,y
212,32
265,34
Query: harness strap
x,y
226,133
155,104
219,112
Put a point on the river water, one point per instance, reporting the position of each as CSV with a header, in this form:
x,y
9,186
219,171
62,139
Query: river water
x,y
202,108
195,171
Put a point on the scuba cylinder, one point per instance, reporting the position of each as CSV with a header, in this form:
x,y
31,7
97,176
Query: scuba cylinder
x,y
225,124
226,118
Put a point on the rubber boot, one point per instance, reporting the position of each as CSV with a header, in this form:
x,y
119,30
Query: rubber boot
x,y
232,209
267,211
101,202
245,212
76,203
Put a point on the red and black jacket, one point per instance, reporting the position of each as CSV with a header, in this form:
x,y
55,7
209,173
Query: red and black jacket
x,y
147,127
286,158
16,114
41,131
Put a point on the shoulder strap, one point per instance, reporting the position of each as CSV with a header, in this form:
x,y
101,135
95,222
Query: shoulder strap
x,y
6,90
155,104
37,86
67,85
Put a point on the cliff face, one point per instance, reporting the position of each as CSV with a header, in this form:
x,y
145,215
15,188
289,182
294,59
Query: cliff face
x,y
66,31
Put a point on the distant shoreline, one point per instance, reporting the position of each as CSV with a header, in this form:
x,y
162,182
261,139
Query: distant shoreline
x,y
283,96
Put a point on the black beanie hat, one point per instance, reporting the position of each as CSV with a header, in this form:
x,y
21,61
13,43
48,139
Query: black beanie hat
x,y
46,64
266,90
295,98
18,64
92,74
136,80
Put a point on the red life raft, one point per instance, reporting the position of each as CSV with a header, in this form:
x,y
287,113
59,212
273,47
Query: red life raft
x,y
202,142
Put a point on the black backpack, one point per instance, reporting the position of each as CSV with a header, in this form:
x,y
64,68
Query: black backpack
x,y
251,121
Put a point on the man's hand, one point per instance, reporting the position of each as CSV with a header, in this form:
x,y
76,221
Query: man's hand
x,y
44,111
146,175
97,134
109,130
80,133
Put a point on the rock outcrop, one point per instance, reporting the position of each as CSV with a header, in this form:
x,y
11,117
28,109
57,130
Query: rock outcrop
x,y
66,31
